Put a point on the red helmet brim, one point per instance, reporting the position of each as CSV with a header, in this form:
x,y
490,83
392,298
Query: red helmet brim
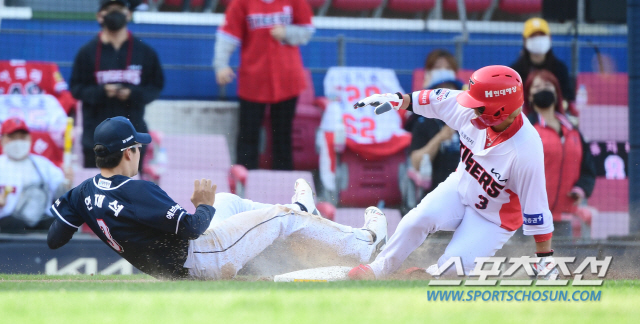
x,y
467,101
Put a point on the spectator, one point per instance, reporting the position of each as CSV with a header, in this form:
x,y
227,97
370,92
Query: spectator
x,y
570,170
206,7
114,74
28,182
45,118
31,78
536,54
440,69
270,70
439,66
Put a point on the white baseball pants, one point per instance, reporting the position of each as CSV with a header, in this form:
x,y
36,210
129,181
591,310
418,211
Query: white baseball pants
x,y
442,210
243,228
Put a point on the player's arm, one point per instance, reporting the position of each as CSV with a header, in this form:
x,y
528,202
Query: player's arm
x,y
531,188
164,214
228,37
59,234
67,221
438,103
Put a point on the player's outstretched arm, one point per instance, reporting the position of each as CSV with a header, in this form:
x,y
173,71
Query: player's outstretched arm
x,y
59,234
385,102
191,226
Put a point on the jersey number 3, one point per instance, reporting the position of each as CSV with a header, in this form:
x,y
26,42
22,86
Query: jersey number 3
x,y
110,239
483,202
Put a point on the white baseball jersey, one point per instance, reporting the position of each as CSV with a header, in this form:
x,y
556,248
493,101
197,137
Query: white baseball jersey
x,y
504,183
344,86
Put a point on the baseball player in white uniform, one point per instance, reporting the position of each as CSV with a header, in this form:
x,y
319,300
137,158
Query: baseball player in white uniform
x,y
498,186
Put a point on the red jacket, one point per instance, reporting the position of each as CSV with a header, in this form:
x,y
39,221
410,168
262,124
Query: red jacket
x,y
567,164
270,71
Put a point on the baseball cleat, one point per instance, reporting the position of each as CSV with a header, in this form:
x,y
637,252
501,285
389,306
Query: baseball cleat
x,y
375,222
361,272
303,197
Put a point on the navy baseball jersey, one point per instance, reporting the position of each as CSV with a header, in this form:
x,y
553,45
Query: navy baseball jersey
x,y
136,219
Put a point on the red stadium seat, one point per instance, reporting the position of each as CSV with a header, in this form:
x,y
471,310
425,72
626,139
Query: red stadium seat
x,y
611,199
211,160
178,183
355,5
212,152
369,181
464,76
418,79
610,195
471,5
521,6
605,88
411,5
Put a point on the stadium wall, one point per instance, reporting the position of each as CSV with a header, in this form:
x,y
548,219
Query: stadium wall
x,y
186,52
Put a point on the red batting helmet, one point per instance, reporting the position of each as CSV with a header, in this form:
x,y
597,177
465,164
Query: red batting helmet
x,y
497,89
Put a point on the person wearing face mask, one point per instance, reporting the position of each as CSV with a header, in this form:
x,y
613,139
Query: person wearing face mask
x,y
114,74
440,66
570,169
28,182
537,54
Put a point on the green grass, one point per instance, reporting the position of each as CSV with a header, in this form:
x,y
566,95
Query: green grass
x,y
142,299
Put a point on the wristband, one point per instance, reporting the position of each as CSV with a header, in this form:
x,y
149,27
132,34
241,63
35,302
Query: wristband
x,y
410,107
544,254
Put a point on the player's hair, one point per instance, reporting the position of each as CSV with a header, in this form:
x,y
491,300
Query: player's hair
x,y
430,62
109,161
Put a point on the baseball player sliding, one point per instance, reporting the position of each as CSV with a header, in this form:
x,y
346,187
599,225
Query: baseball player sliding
x,y
146,227
499,183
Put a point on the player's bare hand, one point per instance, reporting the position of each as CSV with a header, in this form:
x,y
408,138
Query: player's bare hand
x,y
204,193
225,76
278,32
124,93
111,89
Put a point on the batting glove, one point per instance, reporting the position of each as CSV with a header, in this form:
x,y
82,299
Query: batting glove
x,y
382,102
546,268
